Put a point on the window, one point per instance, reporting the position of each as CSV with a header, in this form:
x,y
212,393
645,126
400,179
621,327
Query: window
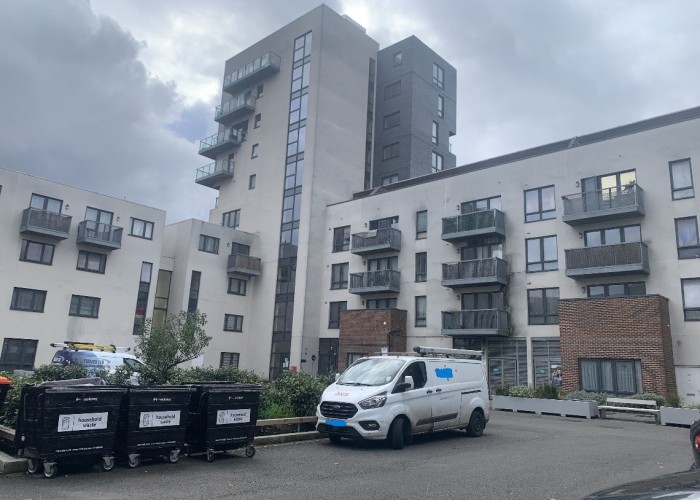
x,y
230,358
339,276
42,202
84,307
418,372
233,323
383,264
334,309
354,356
540,204
160,306
251,181
254,151
492,203
232,219
193,301
27,299
17,354
421,267
142,297
390,151
341,239
91,262
381,304
681,179
437,162
392,90
617,289
438,76
240,249
390,179
384,223
485,249
392,120
687,238
541,254
543,306
99,216
617,376
441,107
482,300
434,137
208,244
33,251
421,224
421,310
237,286
258,118
613,236
691,299
141,228
260,91
398,59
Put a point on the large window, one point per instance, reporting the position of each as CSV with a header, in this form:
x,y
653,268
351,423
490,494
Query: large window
x,y
142,297
339,276
483,300
617,289
613,236
160,306
421,224
437,162
421,267
434,133
681,179
541,254
441,106
251,181
17,354
232,219
141,228
237,286
383,263
334,309
392,90
39,253
540,204
91,262
390,151
27,299
492,203
193,301
341,239
687,238
208,244
390,179
84,307
233,323
616,376
392,120
543,306
691,298
42,202
381,304
421,310
229,358
438,76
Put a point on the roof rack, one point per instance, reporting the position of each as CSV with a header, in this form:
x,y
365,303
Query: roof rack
x,y
442,352
89,346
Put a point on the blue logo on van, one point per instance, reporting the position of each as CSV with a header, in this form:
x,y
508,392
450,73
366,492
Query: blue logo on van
x,y
443,372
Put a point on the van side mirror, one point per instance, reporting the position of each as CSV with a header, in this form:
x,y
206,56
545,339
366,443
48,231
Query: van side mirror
x,y
404,386
408,379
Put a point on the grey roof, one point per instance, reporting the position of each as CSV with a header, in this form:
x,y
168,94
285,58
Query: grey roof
x,y
554,147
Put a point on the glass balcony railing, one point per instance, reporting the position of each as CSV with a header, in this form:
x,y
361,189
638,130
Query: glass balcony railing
x,y
476,224
213,174
244,265
221,142
608,260
45,223
475,272
99,234
379,240
475,322
613,203
386,280
234,108
257,68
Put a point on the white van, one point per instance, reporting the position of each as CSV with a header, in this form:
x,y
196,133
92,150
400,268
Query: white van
x,y
396,397
94,357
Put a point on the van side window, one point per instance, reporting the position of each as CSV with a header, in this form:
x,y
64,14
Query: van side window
x,y
417,371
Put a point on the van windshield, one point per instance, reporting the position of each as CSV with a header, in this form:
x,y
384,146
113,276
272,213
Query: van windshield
x,y
371,371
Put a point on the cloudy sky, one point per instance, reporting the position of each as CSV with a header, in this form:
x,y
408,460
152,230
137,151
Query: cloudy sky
x,y
113,95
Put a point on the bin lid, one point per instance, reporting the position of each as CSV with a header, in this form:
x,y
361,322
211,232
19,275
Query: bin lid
x,y
5,381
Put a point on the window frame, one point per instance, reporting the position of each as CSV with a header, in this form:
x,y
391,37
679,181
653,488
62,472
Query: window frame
x,y
254,151
421,321
234,356
336,307
540,212
437,162
606,289
392,120
421,264
674,189
421,224
542,262
237,323
75,311
6,365
392,89
241,289
688,251
602,231
345,246
397,59
257,120
548,318
88,254
342,283
637,368
203,239
45,202
25,247
438,76
232,215
441,106
252,180
435,131
686,310
146,224
391,151
38,300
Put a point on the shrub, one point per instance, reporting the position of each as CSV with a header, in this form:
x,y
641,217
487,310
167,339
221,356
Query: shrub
x,y
600,397
650,396
298,391
503,390
275,410
673,401
209,374
547,391
522,391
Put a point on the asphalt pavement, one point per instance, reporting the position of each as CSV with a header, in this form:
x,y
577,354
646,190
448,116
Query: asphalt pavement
x,y
520,456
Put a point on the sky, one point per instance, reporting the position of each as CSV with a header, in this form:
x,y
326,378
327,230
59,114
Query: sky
x,y
113,95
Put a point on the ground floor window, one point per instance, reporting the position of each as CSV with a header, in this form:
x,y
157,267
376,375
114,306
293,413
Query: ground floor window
x,y
546,361
354,356
327,356
17,354
229,359
616,376
507,359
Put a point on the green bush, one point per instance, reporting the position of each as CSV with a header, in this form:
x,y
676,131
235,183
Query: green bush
x,y
522,391
210,374
650,396
673,401
275,410
600,397
547,391
503,390
298,391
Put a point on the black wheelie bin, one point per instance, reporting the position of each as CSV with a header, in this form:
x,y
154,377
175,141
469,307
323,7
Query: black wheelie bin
x,y
222,417
152,423
67,422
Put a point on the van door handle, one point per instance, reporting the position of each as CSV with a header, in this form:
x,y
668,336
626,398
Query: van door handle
x,y
438,390
430,391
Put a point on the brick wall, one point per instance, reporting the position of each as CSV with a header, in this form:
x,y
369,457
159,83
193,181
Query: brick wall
x,y
368,330
620,328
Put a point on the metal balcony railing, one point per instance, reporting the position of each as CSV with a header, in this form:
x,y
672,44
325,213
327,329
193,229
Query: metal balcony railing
x,y
475,272
257,68
99,234
476,224
379,240
475,322
213,174
45,223
375,282
243,264
603,204
218,143
238,106
623,258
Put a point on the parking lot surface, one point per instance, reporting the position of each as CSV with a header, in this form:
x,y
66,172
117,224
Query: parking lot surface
x,y
520,456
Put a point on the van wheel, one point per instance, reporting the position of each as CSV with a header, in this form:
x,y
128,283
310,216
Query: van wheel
x,y
335,439
396,434
477,422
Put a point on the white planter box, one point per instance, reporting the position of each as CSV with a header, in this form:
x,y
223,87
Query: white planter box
x,y
563,407
679,416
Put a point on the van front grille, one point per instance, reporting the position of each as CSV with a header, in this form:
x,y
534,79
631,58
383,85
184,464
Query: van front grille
x,y
332,409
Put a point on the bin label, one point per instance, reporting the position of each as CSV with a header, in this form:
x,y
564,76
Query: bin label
x,y
224,417
82,422
159,418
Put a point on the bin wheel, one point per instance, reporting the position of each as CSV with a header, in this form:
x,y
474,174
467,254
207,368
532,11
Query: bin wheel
x,y
107,463
210,455
33,465
174,456
50,469
250,451
134,461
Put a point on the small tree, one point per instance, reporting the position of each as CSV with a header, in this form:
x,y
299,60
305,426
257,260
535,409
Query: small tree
x,y
181,337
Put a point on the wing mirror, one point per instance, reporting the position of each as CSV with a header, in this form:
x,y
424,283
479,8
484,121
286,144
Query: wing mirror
x,y
406,385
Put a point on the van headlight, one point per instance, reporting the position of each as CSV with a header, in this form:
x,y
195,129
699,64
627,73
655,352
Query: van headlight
x,y
376,401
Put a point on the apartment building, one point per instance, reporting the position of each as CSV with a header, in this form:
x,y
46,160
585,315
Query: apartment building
x,y
74,265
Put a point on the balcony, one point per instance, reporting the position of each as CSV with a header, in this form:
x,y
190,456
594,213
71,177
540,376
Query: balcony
x,y
607,260
619,202
385,281
483,224
386,239
239,106
214,174
219,143
489,322
252,72
479,272
244,265
44,223
97,234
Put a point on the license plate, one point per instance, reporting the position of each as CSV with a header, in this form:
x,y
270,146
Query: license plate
x,y
336,423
